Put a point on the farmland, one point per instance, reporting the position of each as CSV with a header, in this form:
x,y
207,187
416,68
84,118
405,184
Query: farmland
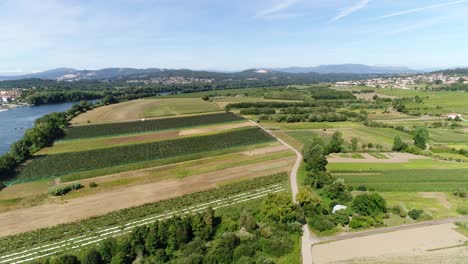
x,y
145,108
121,222
78,132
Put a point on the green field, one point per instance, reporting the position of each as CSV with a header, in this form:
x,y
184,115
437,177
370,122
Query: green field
x,y
423,175
87,131
59,164
434,102
382,136
171,107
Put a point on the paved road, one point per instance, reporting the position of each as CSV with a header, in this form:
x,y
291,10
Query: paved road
x,y
307,239
388,229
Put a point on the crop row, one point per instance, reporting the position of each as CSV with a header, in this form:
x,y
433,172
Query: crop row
x,y
416,180
148,125
100,224
60,164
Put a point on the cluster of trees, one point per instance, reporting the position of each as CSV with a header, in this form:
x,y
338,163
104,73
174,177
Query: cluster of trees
x,y
42,98
46,129
258,111
254,236
364,210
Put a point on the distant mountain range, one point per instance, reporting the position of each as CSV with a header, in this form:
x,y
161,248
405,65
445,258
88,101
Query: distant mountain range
x,y
348,68
68,74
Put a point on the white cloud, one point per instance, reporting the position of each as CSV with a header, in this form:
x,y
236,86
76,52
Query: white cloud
x,y
409,11
276,9
350,10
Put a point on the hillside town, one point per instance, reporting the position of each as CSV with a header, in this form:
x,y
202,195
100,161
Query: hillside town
x,y
174,80
9,96
406,81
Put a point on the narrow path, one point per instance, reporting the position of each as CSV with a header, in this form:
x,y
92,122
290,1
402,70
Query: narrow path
x,y
388,229
307,239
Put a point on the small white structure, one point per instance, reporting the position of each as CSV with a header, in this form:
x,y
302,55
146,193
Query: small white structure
x,y
453,116
338,207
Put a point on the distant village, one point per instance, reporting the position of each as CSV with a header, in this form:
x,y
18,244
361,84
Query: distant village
x,y
9,96
406,81
175,80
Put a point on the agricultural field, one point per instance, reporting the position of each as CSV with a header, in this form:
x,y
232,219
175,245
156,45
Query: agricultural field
x,y
145,108
225,199
122,128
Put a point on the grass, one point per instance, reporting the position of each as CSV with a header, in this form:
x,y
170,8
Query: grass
x,y
440,135
413,200
180,106
434,102
308,125
415,176
351,155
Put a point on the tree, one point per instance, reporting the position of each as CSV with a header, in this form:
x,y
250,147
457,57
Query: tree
x,y
206,98
398,144
92,257
370,145
247,221
369,204
354,144
314,157
337,190
110,99
318,179
279,208
305,196
336,143
420,138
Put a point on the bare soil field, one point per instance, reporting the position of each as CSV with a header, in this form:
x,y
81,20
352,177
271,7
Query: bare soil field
x,y
125,111
213,129
267,150
393,157
70,210
381,248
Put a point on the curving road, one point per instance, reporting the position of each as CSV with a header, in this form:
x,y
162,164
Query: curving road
x,y
307,239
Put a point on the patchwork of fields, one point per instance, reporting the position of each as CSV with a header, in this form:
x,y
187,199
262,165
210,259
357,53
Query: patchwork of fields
x,y
136,162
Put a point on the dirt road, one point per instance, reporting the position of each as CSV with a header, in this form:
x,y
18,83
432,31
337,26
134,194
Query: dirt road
x,y
307,237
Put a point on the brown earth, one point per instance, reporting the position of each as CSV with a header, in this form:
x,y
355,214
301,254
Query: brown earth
x,y
393,157
48,215
125,111
212,129
144,137
404,243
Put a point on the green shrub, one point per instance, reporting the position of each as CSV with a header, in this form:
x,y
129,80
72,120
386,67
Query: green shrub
x,y
415,213
369,204
462,209
341,217
400,210
361,188
358,222
64,189
321,222
460,192
93,185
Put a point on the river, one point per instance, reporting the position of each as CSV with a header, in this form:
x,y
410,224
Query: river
x,y
14,122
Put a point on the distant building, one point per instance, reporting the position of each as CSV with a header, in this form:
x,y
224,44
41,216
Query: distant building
x,y
453,116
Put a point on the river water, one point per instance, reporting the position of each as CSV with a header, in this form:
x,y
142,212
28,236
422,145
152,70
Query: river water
x,y
14,122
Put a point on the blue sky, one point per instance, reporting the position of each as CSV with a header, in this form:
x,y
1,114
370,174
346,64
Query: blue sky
x,y
230,35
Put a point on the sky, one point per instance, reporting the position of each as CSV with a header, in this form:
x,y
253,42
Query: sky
x,y
230,35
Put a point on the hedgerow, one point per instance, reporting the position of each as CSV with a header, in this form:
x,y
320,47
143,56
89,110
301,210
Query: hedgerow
x,y
63,189
147,125
60,164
